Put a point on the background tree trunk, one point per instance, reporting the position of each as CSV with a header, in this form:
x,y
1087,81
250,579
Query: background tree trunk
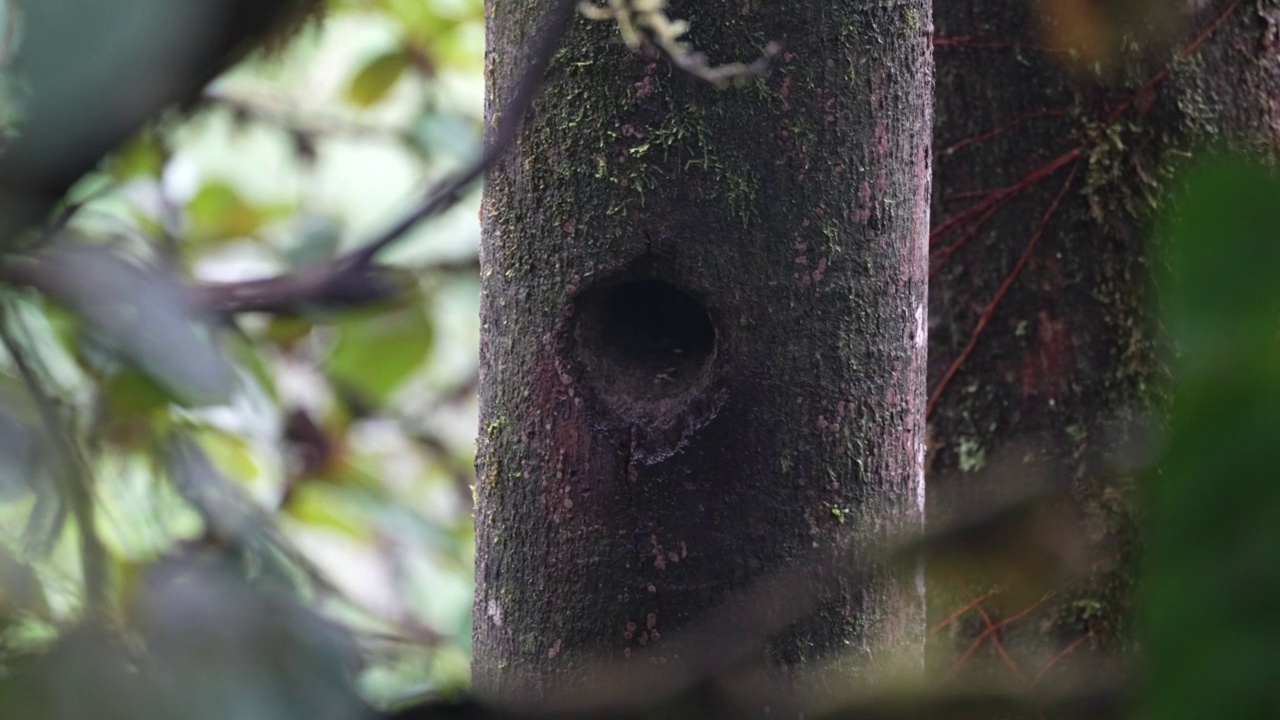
x,y
1042,348
703,337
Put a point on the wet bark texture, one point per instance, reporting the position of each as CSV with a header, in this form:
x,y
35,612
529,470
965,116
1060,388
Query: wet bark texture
x,y
703,338
1065,368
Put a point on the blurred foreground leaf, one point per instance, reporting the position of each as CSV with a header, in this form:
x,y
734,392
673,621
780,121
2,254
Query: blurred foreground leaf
x,y
23,443
146,315
91,74
20,589
231,517
206,645
1213,567
143,156
224,648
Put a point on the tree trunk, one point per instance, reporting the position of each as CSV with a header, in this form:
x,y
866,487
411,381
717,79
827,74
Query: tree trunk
x,y
1042,342
702,343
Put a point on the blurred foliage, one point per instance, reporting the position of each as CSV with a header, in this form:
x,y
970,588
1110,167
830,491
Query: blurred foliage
x,y
1212,621
1098,36
242,515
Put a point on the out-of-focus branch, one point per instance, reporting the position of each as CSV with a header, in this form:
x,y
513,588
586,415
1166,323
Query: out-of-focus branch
x,y
264,111
279,295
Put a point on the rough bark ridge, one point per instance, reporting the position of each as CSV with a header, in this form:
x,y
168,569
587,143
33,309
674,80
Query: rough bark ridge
x,y
1057,178
703,330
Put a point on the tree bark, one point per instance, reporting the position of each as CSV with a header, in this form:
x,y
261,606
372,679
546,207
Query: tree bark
x,y
702,346
1043,342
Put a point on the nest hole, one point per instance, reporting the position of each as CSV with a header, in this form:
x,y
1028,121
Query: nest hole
x,y
644,339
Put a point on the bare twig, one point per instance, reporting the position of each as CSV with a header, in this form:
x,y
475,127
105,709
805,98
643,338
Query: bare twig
x,y
646,24
277,295
265,111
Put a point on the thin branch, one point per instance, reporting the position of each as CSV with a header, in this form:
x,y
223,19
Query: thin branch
x,y
650,27
1096,699
997,198
265,111
939,258
1016,122
993,631
731,634
445,195
1058,658
960,612
277,295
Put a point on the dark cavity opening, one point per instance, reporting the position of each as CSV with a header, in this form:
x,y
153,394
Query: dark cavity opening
x,y
644,339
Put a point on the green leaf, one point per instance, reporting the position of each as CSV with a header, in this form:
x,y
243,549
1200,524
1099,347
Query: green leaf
x,y
1212,557
230,455
96,72
248,356
377,351
287,331
453,135
219,212
143,156
132,393
328,506
1224,261
220,646
229,513
374,81
133,402
457,47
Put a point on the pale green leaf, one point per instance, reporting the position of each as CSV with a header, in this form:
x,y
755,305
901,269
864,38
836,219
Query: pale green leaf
x,y
374,81
376,352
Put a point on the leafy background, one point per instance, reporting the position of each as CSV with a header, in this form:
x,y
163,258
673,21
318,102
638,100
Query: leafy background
x,y
329,452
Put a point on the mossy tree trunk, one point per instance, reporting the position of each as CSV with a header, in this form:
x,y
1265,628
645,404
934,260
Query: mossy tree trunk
x,y
703,338
1043,334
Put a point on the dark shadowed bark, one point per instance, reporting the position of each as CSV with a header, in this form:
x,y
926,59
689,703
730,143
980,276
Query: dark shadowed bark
x,y
1042,342
703,331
